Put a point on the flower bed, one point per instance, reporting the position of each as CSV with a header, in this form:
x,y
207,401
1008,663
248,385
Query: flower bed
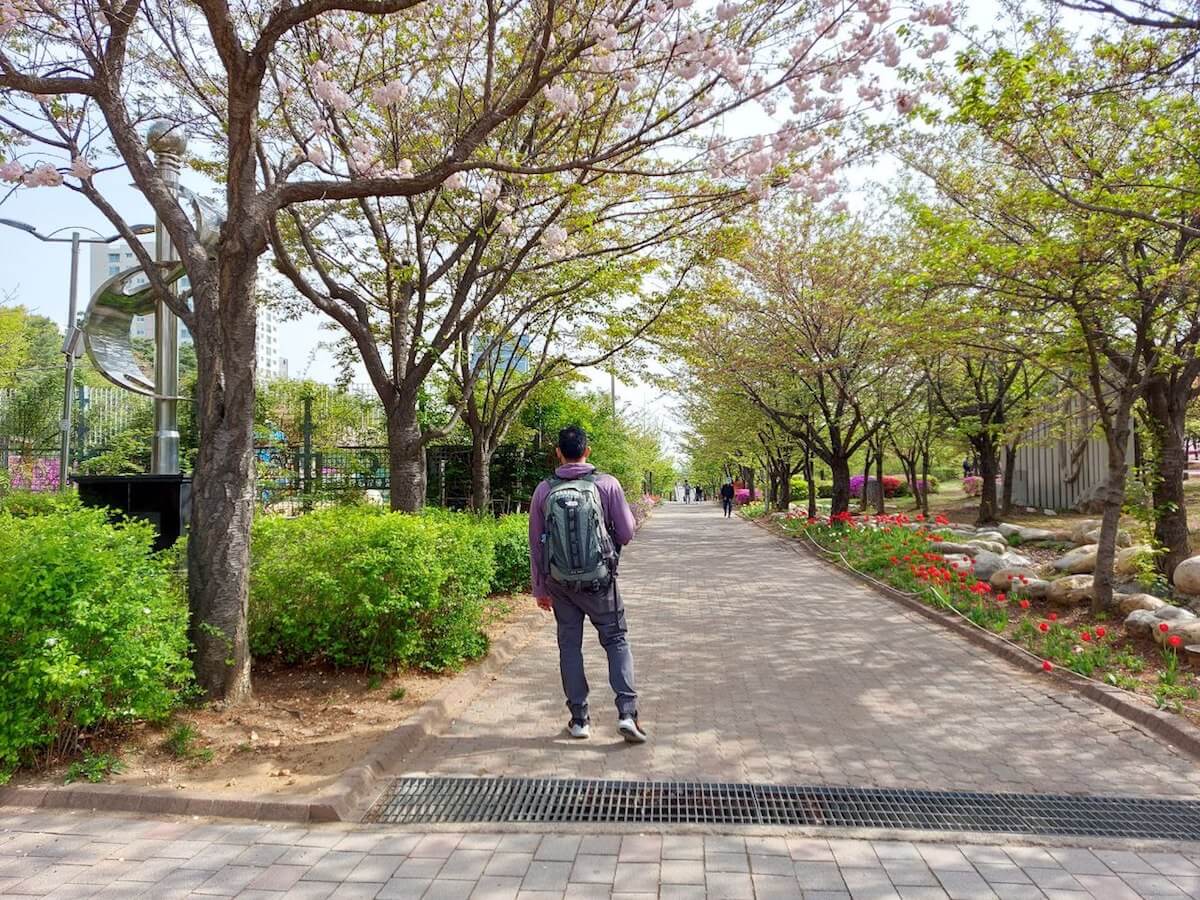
x,y
891,550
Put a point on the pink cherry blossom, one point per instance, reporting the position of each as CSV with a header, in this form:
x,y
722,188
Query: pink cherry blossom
x,y
11,171
453,181
42,175
81,169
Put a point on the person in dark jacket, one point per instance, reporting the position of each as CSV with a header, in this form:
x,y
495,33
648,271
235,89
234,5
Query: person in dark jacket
x,y
570,606
727,498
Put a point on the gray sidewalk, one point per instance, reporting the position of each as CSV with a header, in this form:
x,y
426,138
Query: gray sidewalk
x,y
757,664
75,855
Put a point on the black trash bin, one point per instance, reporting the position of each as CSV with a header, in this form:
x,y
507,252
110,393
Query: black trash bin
x,y
163,500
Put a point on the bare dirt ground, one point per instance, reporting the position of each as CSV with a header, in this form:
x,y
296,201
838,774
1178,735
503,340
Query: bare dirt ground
x,y
304,727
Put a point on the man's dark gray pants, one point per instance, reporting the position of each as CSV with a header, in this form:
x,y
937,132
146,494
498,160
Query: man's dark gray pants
x,y
607,614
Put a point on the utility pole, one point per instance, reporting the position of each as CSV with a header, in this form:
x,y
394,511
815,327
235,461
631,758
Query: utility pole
x,y
69,347
168,142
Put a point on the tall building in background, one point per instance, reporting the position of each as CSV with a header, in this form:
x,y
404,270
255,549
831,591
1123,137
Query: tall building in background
x,y
108,260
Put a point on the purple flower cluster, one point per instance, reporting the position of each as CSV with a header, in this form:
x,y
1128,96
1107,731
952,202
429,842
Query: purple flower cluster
x,y
37,473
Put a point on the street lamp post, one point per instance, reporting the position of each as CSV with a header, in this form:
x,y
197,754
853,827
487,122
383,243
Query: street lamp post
x,y
71,342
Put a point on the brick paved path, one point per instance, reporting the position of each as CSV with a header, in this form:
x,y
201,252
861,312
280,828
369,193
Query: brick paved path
x,y
73,855
759,664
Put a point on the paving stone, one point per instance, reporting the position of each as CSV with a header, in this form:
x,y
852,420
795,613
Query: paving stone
x,y
963,885
819,876
602,844
465,864
336,865
1125,861
1018,892
1153,885
897,850
427,867
496,887
450,889
589,869
404,889
587,891
683,892
683,871
356,890
1079,861
230,880
437,846
546,875
944,857
810,849
1056,879
513,864
1106,887
1006,873
472,842
776,887
921,892
729,886
375,867
727,862
1172,864
636,878
643,848
560,848
910,872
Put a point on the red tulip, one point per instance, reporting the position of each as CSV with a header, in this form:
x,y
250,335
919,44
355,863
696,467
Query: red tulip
x,y
1047,666
1164,627
1043,627
1100,632
1085,636
1053,617
1024,604
1175,640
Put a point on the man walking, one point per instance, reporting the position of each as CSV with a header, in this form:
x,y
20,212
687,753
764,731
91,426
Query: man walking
x,y
578,521
727,498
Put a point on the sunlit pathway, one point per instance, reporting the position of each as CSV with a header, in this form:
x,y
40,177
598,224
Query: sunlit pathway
x,y
759,664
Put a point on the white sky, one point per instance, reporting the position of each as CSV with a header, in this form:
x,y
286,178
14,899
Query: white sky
x,y
36,274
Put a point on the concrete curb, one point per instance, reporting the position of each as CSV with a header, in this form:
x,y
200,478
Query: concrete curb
x,y
1178,732
344,800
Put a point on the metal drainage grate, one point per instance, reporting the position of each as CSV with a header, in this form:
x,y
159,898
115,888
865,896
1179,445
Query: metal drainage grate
x,y
412,801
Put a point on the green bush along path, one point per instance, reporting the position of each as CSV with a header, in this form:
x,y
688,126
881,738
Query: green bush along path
x,y
756,663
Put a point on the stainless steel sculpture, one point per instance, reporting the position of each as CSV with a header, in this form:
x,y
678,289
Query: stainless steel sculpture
x,y
107,323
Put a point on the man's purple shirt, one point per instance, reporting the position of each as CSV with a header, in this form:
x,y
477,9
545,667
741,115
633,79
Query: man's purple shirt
x,y
617,515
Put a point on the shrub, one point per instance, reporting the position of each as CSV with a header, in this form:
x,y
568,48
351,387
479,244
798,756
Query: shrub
x,y
512,555
360,587
972,485
799,491
93,631
23,504
891,485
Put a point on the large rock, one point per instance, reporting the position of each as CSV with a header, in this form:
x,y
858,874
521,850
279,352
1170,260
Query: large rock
x,y
1186,576
1129,559
988,564
1080,530
1071,590
1009,578
1169,613
1188,632
1008,530
1029,535
958,562
1035,588
953,547
1141,622
1123,537
992,536
1079,561
997,547
1129,602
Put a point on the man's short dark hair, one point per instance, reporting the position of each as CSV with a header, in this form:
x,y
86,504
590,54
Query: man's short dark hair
x,y
573,442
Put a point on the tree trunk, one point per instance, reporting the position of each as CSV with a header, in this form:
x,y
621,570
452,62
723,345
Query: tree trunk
x,y
783,499
839,467
985,446
1114,498
862,497
223,481
481,476
925,482
880,500
406,457
1166,421
1010,461
810,484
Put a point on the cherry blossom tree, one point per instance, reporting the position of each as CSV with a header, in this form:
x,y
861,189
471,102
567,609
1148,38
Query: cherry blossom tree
x,y
284,104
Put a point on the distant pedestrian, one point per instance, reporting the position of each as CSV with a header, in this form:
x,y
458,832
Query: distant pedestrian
x,y
727,498
699,494
578,522
966,468
687,492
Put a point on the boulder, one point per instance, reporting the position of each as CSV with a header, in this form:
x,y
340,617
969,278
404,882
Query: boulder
x,y
1129,558
1028,535
1070,590
1123,538
1169,613
1141,622
1079,561
997,547
1186,576
991,535
988,564
1129,602
1081,528
1008,530
958,562
1015,560
953,547
1187,631
1009,578
1035,588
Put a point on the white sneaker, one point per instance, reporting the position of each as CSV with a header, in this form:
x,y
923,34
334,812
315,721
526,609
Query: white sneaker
x,y
631,730
579,729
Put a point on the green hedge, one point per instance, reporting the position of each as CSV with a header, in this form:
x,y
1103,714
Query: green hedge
x,y
361,587
93,630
